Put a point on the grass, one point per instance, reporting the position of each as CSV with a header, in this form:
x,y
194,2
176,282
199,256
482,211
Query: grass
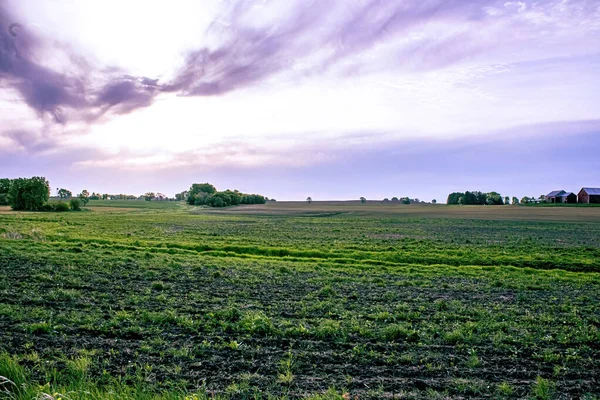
x,y
322,301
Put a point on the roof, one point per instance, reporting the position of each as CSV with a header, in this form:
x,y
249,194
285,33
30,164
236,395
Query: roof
x,y
592,191
567,194
555,193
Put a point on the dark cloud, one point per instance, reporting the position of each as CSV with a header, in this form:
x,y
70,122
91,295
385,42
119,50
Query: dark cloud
x,y
79,93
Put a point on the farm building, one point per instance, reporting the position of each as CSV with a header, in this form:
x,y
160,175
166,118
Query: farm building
x,y
589,195
568,198
555,196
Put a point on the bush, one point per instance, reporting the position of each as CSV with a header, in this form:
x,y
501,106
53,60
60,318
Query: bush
x,y
75,204
61,207
47,207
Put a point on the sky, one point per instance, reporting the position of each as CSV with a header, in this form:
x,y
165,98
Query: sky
x,y
296,98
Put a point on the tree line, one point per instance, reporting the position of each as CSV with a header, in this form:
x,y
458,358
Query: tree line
x,y
491,198
205,194
33,194
477,198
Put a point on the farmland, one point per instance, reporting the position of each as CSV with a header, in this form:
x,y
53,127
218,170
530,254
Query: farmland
x,y
293,300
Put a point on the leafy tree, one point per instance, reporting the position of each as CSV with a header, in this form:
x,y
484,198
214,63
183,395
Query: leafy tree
x,y
235,197
515,200
95,196
64,193
105,196
217,201
494,199
363,200
434,201
394,199
84,196
506,200
181,196
253,199
405,200
453,198
28,194
199,192
4,188
149,196
309,199
386,200
525,200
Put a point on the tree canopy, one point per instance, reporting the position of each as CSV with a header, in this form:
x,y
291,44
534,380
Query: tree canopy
x,y
475,198
205,194
28,194
4,188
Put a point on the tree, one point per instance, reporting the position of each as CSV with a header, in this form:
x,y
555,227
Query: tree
x,y
405,200
493,199
64,193
309,199
386,200
525,200
394,199
181,196
199,193
434,201
28,194
542,198
506,200
363,200
149,196
515,200
4,188
453,198
84,196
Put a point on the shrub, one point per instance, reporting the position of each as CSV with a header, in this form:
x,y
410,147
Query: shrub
x,y
47,207
75,204
61,207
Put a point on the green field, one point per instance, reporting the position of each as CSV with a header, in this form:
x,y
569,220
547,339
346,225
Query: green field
x,y
337,300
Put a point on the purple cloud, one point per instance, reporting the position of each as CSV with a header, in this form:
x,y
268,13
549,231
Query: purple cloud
x,y
321,35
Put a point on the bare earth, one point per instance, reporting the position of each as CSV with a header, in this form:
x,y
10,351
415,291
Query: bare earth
x,y
526,213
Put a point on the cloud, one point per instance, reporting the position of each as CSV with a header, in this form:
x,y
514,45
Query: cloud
x,y
75,92
27,141
253,42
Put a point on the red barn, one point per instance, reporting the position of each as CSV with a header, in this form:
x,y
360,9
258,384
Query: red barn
x,y
589,195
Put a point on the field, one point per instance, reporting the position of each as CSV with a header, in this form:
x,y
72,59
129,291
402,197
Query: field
x,y
292,300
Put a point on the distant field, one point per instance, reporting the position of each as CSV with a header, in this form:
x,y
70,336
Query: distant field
x,y
154,205
378,209
328,300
